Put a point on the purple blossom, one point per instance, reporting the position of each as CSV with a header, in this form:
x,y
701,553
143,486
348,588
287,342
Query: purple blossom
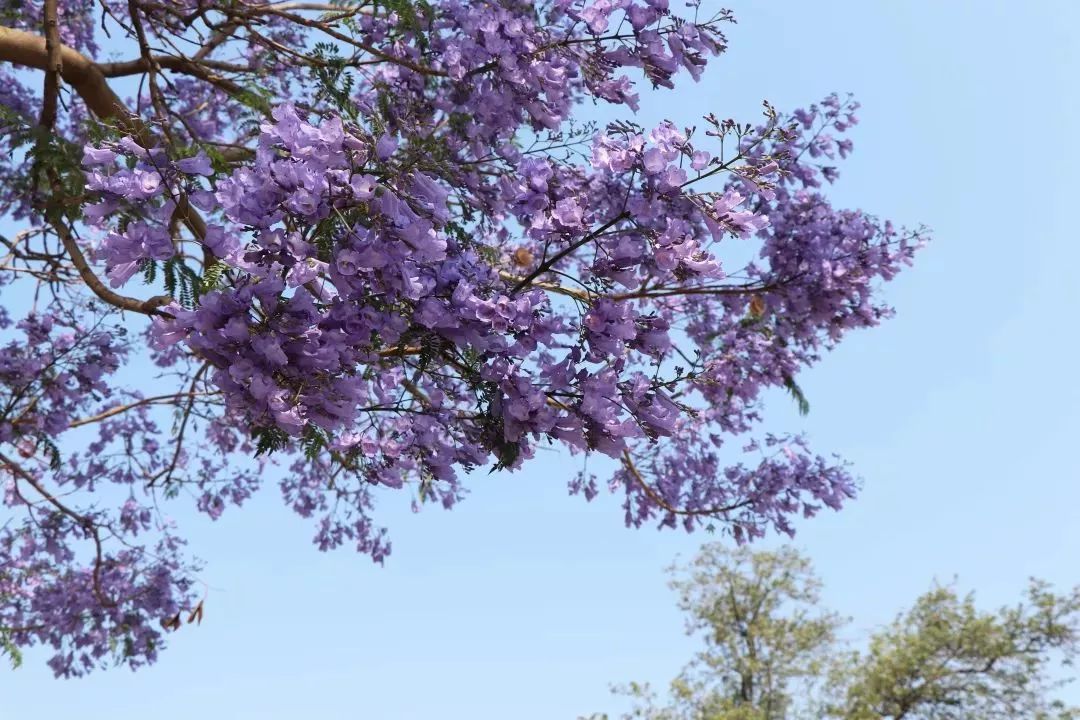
x,y
384,288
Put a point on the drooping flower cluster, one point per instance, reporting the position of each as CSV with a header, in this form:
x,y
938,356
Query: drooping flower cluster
x,y
80,580
392,257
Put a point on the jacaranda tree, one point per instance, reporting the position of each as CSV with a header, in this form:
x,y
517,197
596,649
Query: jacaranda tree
x,y
362,247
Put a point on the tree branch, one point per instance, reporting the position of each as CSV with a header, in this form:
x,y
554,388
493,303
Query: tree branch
x,y
146,307
655,497
23,48
84,521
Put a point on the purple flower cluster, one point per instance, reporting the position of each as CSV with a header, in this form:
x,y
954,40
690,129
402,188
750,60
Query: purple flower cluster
x,y
393,258
80,580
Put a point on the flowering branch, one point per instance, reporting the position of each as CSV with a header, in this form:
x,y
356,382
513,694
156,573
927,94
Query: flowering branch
x,y
403,260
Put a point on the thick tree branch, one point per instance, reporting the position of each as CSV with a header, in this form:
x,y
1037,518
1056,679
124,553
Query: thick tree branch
x,y
54,65
23,48
146,307
54,68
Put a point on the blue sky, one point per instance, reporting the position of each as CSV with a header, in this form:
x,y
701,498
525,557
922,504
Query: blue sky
x,y
958,415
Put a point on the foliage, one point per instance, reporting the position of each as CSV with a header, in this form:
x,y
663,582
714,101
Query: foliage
x,y
771,653
944,658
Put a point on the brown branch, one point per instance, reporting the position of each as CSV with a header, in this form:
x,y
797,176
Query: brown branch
x,y
549,263
582,295
191,394
586,296
401,351
54,64
359,44
156,400
146,307
416,392
16,629
748,289
85,522
178,63
336,8
54,68
23,48
655,497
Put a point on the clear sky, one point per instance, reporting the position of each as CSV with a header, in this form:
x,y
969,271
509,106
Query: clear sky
x,y
958,415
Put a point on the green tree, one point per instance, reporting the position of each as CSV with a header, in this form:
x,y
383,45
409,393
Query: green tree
x,y
770,652
944,659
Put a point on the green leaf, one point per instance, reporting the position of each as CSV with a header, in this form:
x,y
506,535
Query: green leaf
x,y
8,647
212,277
269,440
797,394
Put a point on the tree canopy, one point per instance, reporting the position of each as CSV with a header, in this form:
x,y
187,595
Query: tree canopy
x,y
771,652
361,248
